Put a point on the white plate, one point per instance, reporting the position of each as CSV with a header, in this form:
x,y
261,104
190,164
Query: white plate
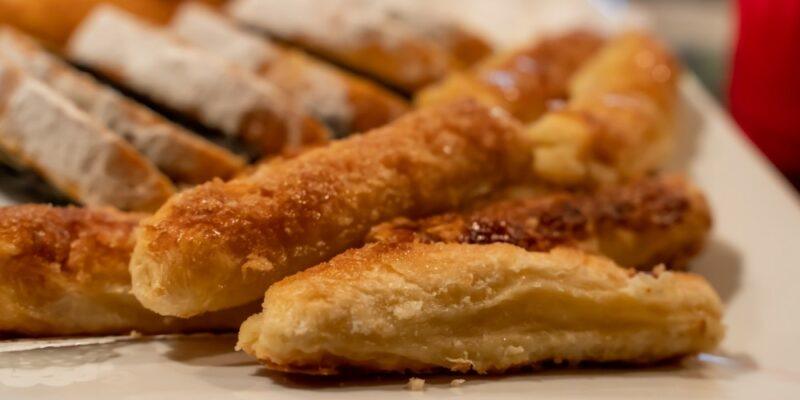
x,y
753,261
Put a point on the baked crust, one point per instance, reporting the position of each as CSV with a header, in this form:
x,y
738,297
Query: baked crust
x,y
399,43
417,307
44,132
64,271
642,224
222,244
345,102
523,81
617,124
181,155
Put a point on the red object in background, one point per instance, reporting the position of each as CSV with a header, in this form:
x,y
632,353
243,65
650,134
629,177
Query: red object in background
x,y
765,85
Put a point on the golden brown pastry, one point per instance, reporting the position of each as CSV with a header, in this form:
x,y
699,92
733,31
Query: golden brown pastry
x,y
180,154
401,43
617,123
523,81
221,244
53,21
222,96
44,132
343,101
64,271
484,308
642,224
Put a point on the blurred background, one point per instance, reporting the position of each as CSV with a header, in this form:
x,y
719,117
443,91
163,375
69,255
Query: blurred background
x,y
702,31
746,52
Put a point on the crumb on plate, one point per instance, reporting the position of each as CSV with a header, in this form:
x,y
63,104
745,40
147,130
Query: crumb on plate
x,y
416,384
457,382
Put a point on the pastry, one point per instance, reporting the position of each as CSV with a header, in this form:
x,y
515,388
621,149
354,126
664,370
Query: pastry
x,y
617,122
523,81
46,133
222,96
221,244
642,224
419,308
181,155
64,271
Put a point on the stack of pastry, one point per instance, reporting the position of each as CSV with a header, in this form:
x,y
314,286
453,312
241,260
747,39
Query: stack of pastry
x,y
514,218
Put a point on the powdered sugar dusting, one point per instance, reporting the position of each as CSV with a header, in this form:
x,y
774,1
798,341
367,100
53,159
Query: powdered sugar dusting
x,y
351,24
147,131
205,28
78,155
317,88
161,66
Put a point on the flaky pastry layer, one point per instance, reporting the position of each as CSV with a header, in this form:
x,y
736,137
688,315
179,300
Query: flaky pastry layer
x,y
485,308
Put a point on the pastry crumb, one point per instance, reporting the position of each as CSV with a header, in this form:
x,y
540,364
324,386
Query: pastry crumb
x,y
416,384
135,334
457,382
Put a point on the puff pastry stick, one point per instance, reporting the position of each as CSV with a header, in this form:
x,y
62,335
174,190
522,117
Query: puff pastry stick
x,y
401,43
44,132
53,21
64,271
221,244
484,308
617,123
523,81
220,95
181,155
344,102
642,224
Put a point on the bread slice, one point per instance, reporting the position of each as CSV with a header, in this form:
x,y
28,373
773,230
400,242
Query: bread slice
x,y
401,43
167,70
181,155
43,131
64,271
485,308
344,102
